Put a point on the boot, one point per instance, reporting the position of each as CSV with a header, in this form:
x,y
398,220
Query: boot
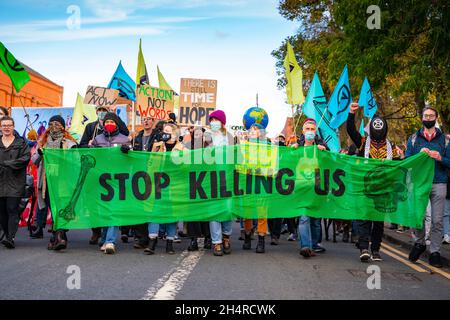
x,y
38,233
60,241
169,247
208,243
226,244
8,242
193,246
151,246
247,242
260,246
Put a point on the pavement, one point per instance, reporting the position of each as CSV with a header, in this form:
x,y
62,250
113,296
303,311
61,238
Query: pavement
x,y
82,272
404,239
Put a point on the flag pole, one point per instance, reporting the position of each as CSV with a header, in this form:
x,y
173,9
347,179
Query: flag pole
x,y
133,120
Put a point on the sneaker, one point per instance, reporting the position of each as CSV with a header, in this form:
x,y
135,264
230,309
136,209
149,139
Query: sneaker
x,y
124,238
319,249
110,248
416,251
37,233
376,256
218,250
306,252
103,248
176,239
208,243
400,230
292,237
435,260
446,239
364,256
428,242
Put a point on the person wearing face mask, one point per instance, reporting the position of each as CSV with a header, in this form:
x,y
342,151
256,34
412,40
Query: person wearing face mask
x,y
310,229
55,137
14,158
257,134
168,141
195,230
433,142
92,130
111,137
376,146
219,136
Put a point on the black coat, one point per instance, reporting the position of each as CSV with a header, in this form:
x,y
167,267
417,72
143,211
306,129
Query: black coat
x,y
13,168
88,134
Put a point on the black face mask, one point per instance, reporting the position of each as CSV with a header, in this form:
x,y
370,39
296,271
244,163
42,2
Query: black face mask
x,y
166,137
429,123
378,129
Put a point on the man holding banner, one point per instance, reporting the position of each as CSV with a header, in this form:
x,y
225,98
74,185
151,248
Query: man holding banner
x,y
376,146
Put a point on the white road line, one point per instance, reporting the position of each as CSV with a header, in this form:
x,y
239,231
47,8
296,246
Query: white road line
x,y
167,287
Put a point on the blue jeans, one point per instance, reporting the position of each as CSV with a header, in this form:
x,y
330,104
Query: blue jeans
x,y
447,217
110,234
219,228
310,232
170,228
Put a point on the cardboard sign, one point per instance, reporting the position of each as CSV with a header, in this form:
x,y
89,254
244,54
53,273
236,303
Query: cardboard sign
x,y
154,102
101,97
197,100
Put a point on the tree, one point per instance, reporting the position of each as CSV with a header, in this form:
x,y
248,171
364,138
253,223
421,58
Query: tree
x,y
406,60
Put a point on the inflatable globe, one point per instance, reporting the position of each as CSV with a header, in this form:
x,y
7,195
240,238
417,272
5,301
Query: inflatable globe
x,y
255,115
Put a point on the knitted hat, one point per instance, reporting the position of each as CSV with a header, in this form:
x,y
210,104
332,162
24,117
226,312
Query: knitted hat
x,y
219,115
111,116
59,119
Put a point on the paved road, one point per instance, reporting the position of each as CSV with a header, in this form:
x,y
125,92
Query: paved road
x,y
32,272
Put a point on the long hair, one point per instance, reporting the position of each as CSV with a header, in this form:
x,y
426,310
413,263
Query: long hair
x,y
45,135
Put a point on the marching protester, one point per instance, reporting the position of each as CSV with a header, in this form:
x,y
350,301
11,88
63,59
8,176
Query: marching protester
x,y
167,141
14,158
141,143
376,146
433,142
110,137
3,113
55,137
257,134
310,229
92,130
196,230
219,136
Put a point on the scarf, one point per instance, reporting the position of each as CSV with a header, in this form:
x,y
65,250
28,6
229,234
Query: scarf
x,y
377,151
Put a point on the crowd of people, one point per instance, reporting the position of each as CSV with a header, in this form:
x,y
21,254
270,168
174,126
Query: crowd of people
x,y
16,157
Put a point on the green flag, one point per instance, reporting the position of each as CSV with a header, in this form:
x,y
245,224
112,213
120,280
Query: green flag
x,y
12,68
105,187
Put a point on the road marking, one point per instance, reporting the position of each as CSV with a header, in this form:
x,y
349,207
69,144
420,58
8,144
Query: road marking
x,y
167,287
434,269
406,262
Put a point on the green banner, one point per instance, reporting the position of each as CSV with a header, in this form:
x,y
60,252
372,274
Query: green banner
x,y
12,68
104,187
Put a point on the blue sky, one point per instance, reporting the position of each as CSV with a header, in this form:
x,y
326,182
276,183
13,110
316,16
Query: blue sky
x,y
227,40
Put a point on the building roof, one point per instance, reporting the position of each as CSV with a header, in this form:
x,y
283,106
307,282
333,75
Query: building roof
x,y
31,70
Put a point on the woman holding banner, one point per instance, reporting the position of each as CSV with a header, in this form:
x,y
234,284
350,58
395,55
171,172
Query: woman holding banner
x,y
167,141
55,137
219,136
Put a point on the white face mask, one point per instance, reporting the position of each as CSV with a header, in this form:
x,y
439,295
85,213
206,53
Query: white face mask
x,y
216,126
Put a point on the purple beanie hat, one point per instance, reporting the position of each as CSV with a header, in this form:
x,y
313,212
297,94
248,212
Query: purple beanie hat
x,y
219,115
